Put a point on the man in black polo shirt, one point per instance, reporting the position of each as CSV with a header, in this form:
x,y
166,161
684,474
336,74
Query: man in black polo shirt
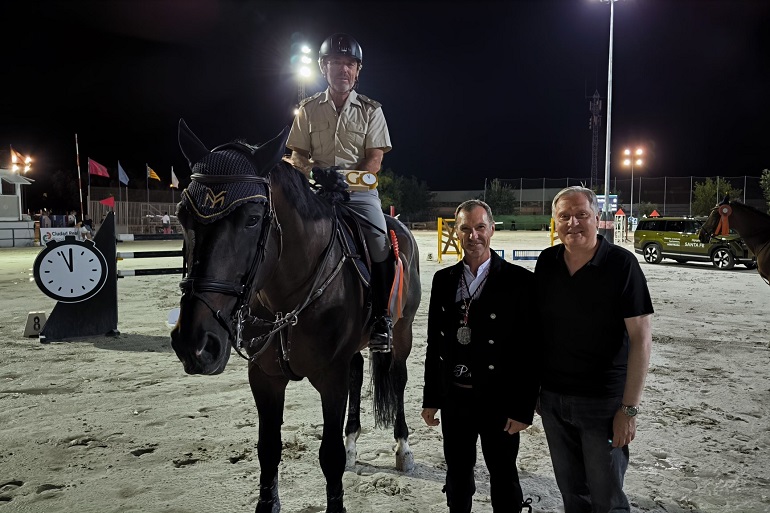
x,y
596,354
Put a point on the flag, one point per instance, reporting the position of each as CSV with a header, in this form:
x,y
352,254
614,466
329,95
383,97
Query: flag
x,y
110,202
94,168
16,157
152,174
122,176
174,180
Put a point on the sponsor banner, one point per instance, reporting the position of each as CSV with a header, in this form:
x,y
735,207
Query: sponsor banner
x,y
49,234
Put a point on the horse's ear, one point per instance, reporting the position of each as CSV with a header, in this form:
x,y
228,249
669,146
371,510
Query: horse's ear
x,y
271,153
192,147
726,200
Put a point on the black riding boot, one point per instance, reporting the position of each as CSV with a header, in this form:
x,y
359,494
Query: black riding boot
x,y
381,339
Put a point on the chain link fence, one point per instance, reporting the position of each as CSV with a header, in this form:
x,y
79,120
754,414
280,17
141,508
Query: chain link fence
x,y
673,196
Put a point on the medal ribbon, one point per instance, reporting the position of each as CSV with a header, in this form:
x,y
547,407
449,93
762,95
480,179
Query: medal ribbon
x,y
468,300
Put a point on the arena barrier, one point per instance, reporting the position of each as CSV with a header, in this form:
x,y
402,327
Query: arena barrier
x,y
130,237
447,238
525,254
148,254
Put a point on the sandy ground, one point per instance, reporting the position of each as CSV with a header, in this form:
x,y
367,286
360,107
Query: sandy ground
x,y
114,425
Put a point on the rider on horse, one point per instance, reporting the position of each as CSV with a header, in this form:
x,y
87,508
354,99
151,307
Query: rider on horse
x,y
339,127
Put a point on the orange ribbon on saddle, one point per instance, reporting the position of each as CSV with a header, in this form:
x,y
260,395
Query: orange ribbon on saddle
x,y
396,299
723,227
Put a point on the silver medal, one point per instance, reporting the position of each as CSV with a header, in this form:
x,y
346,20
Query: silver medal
x,y
464,335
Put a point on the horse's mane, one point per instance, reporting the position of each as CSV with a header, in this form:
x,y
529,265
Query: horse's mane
x,y
296,187
749,207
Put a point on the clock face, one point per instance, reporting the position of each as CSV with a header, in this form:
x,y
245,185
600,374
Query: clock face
x,y
70,271
369,179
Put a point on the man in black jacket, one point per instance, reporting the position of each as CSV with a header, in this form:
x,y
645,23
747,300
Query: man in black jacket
x,y
481,343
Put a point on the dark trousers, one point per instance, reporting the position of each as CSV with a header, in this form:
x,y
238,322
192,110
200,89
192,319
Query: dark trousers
x,y
463,421
588,470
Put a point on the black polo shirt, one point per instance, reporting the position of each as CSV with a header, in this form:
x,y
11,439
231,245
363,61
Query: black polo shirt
x,y
586,342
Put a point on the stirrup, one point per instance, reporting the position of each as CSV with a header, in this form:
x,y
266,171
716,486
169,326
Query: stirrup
x,y
381,340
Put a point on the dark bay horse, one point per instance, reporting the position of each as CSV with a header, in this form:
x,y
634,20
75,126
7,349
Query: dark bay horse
x,y
269,276
751,224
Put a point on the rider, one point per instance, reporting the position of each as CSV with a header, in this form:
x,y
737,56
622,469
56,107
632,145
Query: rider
x,y
339,127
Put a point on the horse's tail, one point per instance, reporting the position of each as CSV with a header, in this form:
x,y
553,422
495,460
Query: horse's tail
x,y
385,398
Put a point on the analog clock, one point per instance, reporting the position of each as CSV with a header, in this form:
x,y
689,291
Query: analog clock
x,y
70,270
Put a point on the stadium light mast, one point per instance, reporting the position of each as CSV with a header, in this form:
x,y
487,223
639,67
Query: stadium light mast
x,y
632,159
606,221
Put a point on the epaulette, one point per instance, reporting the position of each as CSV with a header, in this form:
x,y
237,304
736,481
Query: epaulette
x,y
368,100
310,98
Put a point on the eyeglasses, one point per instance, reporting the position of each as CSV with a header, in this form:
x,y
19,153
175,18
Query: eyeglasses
x,y
580,216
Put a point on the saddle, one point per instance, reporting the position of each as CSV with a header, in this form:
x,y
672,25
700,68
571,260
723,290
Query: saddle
x,y
333,188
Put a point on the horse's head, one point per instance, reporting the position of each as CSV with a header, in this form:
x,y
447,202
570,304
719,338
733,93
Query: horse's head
x,y
226,214
709,228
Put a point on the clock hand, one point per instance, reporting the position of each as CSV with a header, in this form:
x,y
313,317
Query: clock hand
x,y
70,264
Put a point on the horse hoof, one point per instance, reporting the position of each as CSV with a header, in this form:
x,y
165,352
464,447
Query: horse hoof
x,y
271,506
405,461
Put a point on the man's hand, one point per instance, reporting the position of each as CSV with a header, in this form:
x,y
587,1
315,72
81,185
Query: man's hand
x,y
429,416
514,426
623,429
301,161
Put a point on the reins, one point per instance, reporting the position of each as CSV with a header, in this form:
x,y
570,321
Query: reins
x,y
282,321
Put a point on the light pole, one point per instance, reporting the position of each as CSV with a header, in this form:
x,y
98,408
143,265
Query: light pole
x,y
606,225
632,159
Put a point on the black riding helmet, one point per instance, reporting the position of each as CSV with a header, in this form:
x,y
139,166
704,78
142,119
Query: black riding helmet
x,y
340,44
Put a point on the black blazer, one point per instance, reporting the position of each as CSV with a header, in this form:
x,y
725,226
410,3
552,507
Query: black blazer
x,y
504,340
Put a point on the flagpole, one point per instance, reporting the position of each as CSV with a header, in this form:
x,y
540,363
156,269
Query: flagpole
x,y
147,179
80,182
88,197
120,193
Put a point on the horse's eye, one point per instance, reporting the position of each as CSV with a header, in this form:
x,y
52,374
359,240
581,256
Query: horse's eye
x,y
253,221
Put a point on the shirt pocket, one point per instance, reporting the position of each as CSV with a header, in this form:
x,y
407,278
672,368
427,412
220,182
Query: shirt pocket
x,y
357,134
321,138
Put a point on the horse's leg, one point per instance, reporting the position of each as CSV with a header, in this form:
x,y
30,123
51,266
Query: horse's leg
x,y
402,342
269,395
353,425
333,387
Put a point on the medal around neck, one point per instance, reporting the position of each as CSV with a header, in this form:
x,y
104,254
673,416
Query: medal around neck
x,y
464,335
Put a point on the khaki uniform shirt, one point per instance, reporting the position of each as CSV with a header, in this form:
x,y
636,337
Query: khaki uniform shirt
x,y
339,140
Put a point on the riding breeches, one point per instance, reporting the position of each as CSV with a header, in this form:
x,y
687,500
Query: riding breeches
x,y
368,205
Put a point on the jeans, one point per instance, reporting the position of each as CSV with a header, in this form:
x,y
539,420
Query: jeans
x,y
588,470
463,422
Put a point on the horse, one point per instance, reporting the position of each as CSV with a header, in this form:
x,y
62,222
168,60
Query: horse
x,y
752,225
267,273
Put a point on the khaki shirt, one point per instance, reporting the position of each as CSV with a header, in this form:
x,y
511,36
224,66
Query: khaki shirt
x,y
339,140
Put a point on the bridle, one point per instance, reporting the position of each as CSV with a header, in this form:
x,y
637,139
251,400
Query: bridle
x,y
196,286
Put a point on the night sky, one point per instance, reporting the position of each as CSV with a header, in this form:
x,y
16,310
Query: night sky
x,y
469,89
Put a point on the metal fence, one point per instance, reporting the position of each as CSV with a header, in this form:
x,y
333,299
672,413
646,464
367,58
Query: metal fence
x,y
672,195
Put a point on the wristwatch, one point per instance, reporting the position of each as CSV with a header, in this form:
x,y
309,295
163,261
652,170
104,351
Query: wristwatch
x,y
631,411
